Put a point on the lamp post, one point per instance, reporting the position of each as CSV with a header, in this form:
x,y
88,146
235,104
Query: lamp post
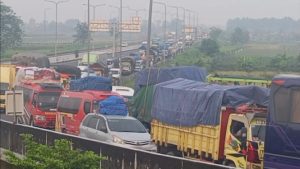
x,y
183,21
165,25
176,21
56,3
45,19
136,10
94,9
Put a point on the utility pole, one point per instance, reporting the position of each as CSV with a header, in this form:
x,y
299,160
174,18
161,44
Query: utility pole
x,y
89,37
149,32
56,6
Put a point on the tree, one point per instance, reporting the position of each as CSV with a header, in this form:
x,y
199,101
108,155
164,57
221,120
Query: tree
x,y
215,33
82,33
10,28
59,156
239,36
209,47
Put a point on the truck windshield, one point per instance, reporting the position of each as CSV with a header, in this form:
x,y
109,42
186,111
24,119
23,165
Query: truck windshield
x,y
258,132
126,125
3,87
48,100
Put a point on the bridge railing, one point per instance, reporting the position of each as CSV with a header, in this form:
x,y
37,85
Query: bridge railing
x,y
117,157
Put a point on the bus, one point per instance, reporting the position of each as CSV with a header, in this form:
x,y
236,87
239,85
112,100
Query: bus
x,y
236,80
282,142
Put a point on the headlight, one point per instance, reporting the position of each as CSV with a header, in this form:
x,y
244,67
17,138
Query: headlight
x,y
40,118
117,140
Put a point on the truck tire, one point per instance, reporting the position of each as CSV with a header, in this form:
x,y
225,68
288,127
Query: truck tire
x,y
43,62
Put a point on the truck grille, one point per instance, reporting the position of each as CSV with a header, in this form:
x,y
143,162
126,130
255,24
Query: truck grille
x,y
139,143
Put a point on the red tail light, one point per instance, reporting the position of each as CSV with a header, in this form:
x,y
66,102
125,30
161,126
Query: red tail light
x,y
279,82
252,156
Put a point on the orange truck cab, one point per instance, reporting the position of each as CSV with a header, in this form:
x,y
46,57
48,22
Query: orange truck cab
x,y
73,106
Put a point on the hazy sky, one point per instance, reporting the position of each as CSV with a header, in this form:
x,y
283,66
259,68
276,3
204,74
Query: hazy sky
x,y
211,12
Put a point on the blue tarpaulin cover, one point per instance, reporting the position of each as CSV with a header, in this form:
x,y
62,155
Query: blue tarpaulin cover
x,y
189,103
113,105
152,76
91,83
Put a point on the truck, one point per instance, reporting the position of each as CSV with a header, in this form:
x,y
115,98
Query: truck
x,y
7,80
238,80
127,65
221,124
282,146
41,91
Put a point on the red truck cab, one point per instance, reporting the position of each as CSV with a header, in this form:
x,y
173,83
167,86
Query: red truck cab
x,y
40,101
73,106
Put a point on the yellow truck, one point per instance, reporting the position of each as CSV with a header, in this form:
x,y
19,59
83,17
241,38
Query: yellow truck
x,y
7,80
236,139
235,80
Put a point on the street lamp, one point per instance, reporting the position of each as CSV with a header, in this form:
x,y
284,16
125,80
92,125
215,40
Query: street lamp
x,y
45,19
165,26
136,10
176,20
56,6
94,9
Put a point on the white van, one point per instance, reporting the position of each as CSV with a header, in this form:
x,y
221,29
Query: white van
x,y
123,91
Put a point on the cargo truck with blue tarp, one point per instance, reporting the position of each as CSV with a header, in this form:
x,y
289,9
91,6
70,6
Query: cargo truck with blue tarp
x,y
140,104
221,124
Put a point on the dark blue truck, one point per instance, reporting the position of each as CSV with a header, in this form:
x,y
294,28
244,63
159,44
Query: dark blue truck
x,y
282,143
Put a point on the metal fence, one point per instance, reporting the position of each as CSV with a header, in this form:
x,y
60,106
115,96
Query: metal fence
x,y
117,157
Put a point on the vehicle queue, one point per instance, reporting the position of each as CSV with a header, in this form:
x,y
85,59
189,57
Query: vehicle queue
x,y
185,115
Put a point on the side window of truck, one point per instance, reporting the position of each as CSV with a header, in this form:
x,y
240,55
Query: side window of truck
x,y
87,107
236,129
282,105
295,107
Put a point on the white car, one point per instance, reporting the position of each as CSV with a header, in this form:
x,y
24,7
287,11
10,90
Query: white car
x,y
124,44
123,91
115,73
122,130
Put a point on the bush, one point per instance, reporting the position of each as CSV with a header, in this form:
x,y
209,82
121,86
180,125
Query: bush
x,y
59,156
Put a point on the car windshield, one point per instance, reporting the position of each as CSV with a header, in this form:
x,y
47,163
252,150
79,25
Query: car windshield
x,y
258,132
126,125
48,100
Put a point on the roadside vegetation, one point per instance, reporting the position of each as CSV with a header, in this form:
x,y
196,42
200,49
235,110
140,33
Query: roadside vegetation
x,y
59,156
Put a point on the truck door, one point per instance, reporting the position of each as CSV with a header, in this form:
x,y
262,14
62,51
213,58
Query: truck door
x,y
236,141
